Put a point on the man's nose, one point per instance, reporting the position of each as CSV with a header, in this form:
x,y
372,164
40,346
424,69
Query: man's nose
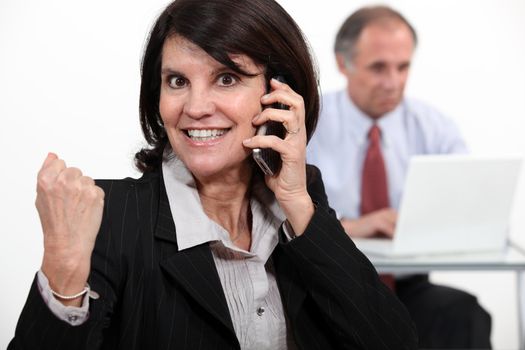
x,y
391,79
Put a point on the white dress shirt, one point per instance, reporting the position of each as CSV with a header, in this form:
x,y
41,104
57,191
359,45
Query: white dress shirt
x,y
247,277
339,144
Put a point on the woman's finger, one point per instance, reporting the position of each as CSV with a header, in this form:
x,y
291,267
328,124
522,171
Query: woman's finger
x,y
286,97
69,175
275,143
49,172
291,122
286,117
50,157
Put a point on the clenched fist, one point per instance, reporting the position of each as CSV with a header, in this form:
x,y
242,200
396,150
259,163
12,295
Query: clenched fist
x,y
70,207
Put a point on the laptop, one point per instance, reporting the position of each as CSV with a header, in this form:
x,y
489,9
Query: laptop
x,y
452,204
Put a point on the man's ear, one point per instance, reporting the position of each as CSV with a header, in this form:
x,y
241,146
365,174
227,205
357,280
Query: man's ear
x,y
341,63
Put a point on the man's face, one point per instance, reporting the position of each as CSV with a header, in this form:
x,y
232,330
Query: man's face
x,y
378,71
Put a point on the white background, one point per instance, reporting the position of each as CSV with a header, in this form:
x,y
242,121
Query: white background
x,y
69,82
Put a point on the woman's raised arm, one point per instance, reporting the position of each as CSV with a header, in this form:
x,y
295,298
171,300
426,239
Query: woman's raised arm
x,y
70,207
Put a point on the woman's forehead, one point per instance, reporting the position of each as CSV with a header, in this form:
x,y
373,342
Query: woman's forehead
x,y
177,46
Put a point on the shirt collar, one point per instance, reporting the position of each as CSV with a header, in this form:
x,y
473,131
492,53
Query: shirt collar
x,y
360,123
194,227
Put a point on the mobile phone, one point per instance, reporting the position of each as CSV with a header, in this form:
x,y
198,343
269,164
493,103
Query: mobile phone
x,y
269,160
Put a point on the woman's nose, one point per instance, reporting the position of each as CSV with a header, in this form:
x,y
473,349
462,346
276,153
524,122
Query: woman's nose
x,y
199,103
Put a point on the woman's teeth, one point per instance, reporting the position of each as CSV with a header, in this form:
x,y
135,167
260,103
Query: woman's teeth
x,y
205,135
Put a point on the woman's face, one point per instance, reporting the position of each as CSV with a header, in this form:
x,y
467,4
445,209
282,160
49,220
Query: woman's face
x,y
207,108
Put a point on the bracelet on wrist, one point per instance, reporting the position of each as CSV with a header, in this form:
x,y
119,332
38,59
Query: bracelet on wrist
x,y
71,297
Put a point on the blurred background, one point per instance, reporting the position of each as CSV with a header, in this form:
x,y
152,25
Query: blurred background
x,y
69,82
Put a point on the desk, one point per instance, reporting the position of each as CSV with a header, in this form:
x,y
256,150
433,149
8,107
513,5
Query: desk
x,y
512,259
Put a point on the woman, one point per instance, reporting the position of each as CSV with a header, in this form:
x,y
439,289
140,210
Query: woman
x,y
203,251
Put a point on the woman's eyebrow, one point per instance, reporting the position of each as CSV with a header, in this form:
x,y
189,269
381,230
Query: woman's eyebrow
x,y
213,72
170,71
221,69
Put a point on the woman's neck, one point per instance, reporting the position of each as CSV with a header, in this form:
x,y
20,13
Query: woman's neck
x,y
226,200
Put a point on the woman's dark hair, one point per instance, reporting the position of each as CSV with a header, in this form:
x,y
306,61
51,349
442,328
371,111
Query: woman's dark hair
x,y
260,29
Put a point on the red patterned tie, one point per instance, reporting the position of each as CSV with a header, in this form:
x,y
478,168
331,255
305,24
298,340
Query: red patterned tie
x,y
374,189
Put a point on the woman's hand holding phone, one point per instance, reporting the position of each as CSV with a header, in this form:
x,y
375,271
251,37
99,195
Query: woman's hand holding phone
x,y
289,183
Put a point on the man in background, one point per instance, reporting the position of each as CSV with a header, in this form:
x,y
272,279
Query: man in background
x,y
363,142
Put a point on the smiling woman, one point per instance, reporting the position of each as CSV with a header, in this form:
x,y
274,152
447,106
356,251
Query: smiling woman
x,y
203,251
207,109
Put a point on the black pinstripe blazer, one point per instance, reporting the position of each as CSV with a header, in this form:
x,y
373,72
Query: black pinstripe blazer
x,y
154,297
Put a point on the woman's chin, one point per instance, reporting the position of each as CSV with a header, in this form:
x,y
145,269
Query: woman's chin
x,y
211,169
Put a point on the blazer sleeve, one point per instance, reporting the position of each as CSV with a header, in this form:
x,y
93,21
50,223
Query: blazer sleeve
x,y
39,328
343,283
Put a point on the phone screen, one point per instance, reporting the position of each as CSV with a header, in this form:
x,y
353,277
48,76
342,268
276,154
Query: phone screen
x,y
269,160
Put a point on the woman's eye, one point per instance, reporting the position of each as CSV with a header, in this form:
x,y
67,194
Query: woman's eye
x,y
176,82
227,80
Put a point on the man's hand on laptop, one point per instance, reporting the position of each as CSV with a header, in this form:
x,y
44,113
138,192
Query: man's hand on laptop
x,y
381,222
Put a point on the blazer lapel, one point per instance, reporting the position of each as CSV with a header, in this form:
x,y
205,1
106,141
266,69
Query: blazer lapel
x,y
193,268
